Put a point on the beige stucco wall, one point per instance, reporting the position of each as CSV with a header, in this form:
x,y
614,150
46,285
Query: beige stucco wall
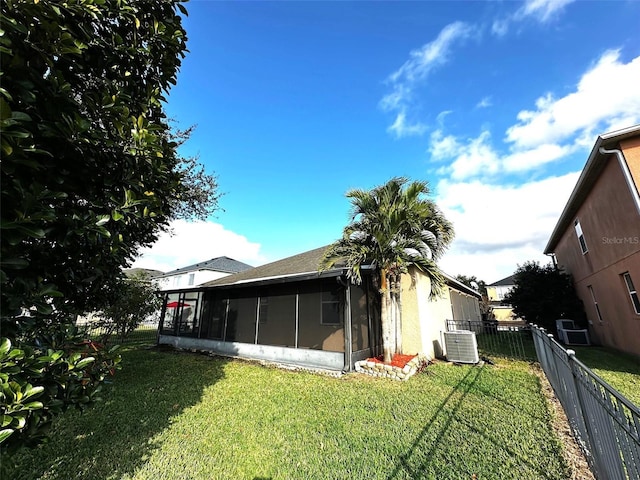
x,y
424,320
411,327
503,314
492,295
497,293
611,226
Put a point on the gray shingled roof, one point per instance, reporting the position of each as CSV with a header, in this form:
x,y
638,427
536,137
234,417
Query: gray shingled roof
x,y
219,264
303,265
297,265
505,281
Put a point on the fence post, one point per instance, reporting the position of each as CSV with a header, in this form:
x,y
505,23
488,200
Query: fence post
x,y
602,473
553,367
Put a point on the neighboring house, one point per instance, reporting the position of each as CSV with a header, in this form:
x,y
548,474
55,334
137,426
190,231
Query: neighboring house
x,y
597,239
288,312
496,292
199,273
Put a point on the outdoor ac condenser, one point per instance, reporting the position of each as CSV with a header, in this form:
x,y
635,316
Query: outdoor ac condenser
x,y
576,337
461,346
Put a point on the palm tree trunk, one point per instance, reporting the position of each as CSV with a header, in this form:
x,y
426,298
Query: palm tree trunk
x,y
385,319
398,312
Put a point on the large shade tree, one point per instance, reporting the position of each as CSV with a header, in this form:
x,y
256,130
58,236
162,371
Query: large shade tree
x,y
90,173
542,294
392,227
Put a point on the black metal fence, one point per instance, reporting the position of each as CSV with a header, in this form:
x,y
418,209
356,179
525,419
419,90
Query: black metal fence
x,y
499,339
606,424
145,333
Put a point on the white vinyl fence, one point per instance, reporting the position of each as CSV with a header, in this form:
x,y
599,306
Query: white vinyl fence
x,y
606,424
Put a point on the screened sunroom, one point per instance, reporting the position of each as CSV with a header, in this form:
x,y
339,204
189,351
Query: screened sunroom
x,y
295,317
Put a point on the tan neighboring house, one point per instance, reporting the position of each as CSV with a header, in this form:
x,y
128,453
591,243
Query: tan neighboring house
x,y
597,240
289,312
503,312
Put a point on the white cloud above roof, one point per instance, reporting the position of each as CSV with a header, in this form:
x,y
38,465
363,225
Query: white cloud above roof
x,y
422,61
605,96
190,241
500,226
486,102
402,128
542,11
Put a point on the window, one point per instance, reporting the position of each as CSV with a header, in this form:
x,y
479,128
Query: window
x,y
633,293
331,307
595,303
580,235
192,278
182,314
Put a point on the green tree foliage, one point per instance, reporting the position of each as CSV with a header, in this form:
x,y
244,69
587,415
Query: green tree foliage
x,y
393,226
90,173
134,301
39,380
473,282
543,294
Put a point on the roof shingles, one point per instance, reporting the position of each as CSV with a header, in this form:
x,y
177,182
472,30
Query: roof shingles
x,y
219,264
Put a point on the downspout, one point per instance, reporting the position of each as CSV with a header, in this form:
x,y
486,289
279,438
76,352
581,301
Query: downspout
x,y
627,174
554,260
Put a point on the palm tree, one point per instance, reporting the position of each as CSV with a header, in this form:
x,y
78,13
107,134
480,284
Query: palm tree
x,y
392,227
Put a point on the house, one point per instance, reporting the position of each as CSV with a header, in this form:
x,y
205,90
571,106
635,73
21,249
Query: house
x,y
597,240
503,312
199,273
288,312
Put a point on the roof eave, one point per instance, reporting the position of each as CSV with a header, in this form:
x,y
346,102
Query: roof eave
x,y
278,279
590,172
452,282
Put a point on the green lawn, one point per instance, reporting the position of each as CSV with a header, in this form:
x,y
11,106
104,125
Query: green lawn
x,y
619,370
188,416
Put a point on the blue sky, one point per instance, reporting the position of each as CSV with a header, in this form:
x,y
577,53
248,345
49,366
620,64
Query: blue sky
x,y
496,104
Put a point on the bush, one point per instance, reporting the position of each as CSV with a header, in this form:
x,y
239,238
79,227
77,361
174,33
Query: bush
x,y
542,294
42,374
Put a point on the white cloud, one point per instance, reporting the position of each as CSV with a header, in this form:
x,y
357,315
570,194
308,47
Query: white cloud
x,y
606,96
540,155
431,55
397,99
490,266
402,129
484,103
193,242
474,158
500,226
500,27
414,71
443,147
478,158
542,11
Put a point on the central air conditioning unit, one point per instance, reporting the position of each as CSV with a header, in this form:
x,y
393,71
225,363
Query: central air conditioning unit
x,y
576,337
461,346
569,334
